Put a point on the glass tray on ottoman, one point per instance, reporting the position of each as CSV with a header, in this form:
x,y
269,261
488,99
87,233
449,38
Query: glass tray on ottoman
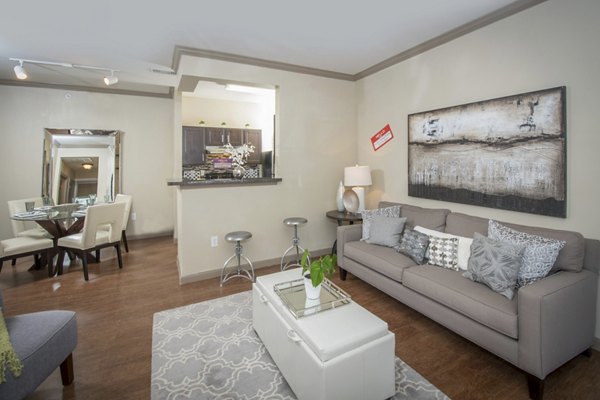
x,y
294,297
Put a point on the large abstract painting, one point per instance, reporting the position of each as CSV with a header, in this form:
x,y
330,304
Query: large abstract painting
x,y
507,153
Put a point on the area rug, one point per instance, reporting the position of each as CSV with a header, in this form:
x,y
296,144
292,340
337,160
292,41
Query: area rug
x,y
209,350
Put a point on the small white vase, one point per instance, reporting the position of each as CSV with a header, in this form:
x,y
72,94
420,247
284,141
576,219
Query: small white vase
x,y
312,292
238,172
339,198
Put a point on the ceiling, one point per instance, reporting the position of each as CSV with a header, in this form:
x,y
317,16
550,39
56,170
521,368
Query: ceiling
x,y
135,36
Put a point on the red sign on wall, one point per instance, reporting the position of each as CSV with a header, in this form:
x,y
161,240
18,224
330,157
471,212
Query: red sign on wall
x,y
382,137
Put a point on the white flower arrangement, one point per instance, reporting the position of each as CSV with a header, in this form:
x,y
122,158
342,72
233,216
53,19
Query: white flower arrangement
x,y
239,154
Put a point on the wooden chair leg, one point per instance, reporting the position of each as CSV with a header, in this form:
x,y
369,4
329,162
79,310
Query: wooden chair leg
x,y
98,255
536,387
50,262
1,262
124,237
60,260
66,370
14,262
36,261
118,248
85,266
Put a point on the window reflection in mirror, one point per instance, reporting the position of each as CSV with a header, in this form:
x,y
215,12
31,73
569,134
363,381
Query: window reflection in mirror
x,y
79,163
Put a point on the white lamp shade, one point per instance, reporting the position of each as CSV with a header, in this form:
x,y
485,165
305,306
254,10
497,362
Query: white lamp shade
x,y
359,175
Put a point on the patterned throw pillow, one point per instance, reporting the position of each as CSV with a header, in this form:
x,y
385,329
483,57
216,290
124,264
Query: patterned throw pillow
x,y
367,218
495,264
464,244
386,231
443,252
414,245
540,253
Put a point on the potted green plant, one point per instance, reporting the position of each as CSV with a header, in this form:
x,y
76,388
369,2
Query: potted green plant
x,y
314,272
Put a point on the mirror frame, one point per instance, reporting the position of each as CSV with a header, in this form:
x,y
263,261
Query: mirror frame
x,y
51,160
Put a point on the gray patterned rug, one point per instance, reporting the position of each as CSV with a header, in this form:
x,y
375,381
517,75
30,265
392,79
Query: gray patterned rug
x,y
209,350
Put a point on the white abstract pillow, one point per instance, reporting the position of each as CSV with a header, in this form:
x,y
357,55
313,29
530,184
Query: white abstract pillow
x,y
367,218
464,244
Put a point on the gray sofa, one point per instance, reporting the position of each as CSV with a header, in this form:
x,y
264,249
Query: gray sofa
x,y
545,325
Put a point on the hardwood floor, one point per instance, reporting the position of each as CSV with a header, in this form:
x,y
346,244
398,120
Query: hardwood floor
x,y
115,310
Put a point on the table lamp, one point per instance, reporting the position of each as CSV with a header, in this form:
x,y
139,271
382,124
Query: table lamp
x,y
357,177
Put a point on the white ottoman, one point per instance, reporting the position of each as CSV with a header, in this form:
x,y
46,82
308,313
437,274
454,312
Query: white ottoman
x,y
344,353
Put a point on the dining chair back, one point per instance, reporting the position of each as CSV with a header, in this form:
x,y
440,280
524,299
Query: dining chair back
x,y
108,215
128,200
20,228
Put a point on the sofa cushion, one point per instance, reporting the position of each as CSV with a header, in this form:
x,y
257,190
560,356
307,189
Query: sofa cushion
x,y
570,258
384,260
464,244
386,231
462,295
432,218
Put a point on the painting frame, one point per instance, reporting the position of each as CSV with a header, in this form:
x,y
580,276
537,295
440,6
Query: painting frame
x,y
507,153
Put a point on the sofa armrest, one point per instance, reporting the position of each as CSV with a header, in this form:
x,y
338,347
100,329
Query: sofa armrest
x,y
346,233
557,319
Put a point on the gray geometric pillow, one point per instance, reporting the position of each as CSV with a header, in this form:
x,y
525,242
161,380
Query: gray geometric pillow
x,y
443,252
386,231
495,264
414,245
367,217
539,256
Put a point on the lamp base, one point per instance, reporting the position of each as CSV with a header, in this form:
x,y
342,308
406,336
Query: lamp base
x,y
360,192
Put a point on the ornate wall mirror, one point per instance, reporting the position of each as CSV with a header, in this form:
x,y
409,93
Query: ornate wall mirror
x,y
81,162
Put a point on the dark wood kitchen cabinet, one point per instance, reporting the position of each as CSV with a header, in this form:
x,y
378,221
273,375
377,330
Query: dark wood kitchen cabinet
x,y
222,136
194,148
254,137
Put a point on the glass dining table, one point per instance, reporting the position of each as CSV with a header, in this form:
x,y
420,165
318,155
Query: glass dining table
x,y
59,221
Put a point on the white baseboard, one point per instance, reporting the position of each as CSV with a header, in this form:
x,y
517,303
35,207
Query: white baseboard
x,y
150,235
215,273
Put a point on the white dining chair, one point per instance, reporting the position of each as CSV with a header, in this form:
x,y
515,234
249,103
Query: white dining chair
x,y
13,248
102,228
25,228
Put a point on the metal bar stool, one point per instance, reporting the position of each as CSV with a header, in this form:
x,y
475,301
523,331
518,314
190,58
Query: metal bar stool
x,y
237,237
294,221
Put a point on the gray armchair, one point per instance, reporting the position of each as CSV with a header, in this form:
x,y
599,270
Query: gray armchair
x,y
43,341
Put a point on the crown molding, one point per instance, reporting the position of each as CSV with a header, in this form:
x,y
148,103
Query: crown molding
x,y
181,51
462,30
79,88
444,38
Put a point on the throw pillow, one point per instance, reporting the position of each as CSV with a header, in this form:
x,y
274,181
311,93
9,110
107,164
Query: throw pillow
x,y
464,244
367,217
495,264
540,253
413,245
386,231
443,252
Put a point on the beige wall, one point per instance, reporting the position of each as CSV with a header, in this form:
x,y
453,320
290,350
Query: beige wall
x,y
147,146
315,140
552,44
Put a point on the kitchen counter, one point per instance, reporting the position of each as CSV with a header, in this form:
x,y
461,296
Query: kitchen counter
x,y
222,182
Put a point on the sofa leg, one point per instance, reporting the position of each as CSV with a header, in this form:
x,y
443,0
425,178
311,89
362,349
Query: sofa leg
x,y
343,274
66,370
536,387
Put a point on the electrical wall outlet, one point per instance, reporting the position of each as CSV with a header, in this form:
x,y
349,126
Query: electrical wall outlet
x,y
214,241
133,216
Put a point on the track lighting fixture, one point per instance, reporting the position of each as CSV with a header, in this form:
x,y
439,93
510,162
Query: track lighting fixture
x,y
22,74
20,71
112,79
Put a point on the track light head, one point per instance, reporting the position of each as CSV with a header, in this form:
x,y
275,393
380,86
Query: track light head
x,y
20,71
111,80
